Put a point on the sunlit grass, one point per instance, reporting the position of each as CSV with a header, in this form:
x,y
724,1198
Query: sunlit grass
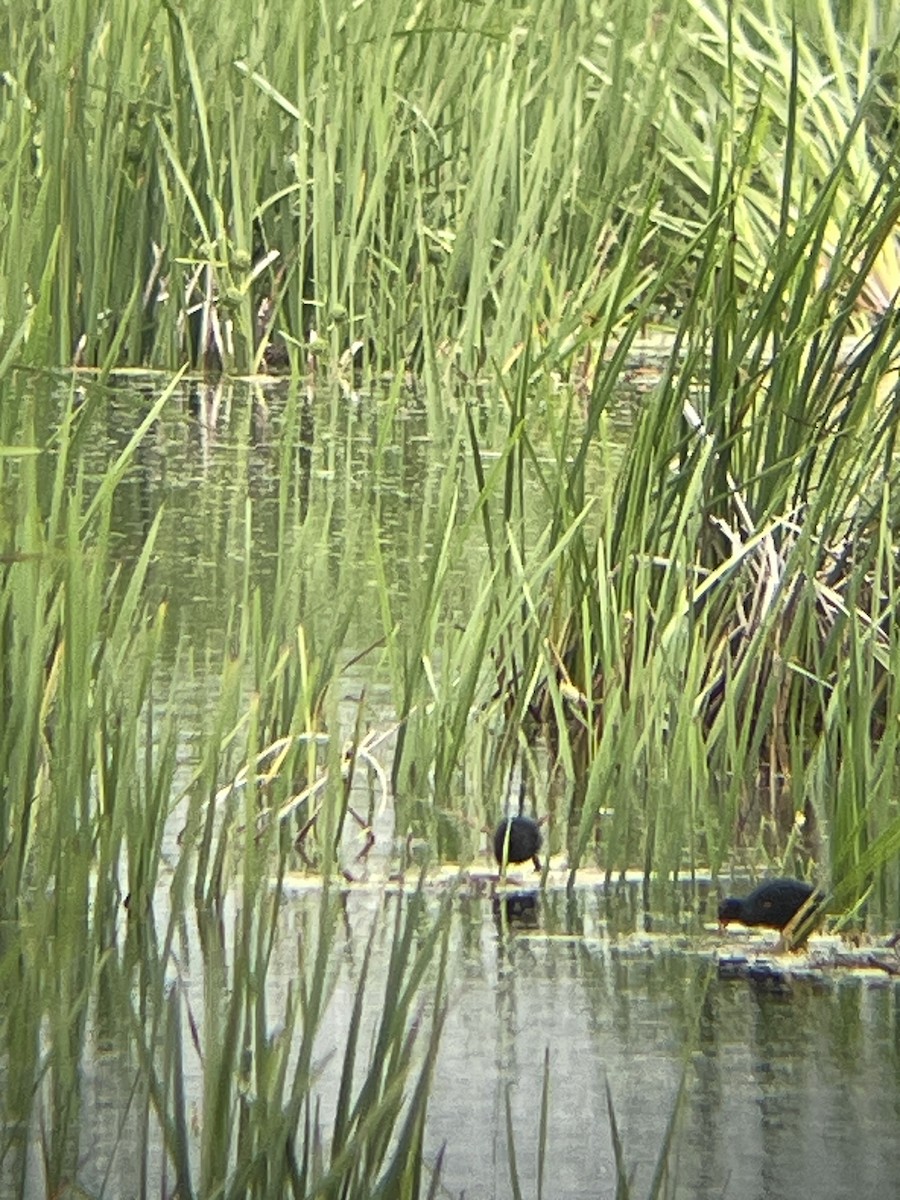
x,y
178,188
748,546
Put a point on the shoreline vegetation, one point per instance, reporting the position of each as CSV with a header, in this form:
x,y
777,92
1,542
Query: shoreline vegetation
x,y
684,654
428,186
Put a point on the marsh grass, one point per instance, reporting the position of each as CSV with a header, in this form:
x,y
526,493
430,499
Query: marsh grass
x,y
168,178
672,623
182,188
91,873
738,591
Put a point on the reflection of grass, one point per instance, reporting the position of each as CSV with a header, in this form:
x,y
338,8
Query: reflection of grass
x,y
660,1184
263,1086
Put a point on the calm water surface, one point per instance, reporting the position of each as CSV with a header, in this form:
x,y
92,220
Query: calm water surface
x,y
347,471
789,1091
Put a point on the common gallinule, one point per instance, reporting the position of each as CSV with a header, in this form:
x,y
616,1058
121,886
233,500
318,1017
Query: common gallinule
x,y
774,903
516,840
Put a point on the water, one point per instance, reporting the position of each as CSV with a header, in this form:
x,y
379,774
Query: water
x,y
787,1090
352,470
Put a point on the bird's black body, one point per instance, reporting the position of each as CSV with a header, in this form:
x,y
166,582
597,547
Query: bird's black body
x,y
774,903
522,842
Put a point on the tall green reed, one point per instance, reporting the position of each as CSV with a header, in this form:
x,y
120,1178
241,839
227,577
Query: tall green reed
x,y
744,556
96,789
165,179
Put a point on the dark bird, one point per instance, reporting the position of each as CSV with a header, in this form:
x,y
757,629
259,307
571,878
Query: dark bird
x,y
517,839
774,903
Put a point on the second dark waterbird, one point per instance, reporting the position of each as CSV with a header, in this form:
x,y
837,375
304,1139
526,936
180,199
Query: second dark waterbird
x,y
518,839
774,904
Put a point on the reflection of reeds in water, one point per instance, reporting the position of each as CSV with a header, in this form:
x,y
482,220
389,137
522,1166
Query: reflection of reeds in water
x,y
663,1174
